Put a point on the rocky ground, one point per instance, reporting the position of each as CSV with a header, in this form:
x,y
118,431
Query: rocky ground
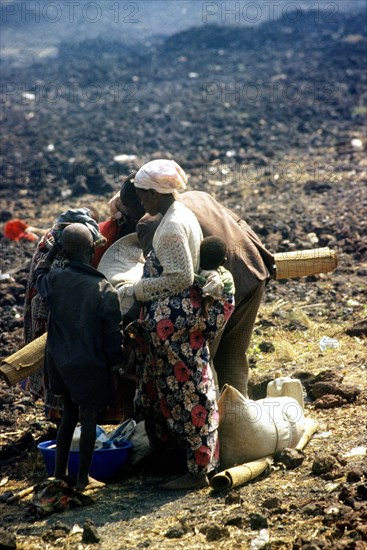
x,y
272,121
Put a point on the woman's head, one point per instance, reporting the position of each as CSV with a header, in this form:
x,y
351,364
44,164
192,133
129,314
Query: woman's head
x,y
157,182
132,209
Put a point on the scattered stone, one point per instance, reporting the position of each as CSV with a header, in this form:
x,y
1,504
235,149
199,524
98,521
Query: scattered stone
x,y
312,509
266,347
252,362
272,503
5,216
294,324
362,492
174,533
291,458
90,533
326,465
362,531
354,475
57,531
18,448
145,544
257,521
235,519
215,533
347,495
257,389
302,543
316,187
328,383
7,540
360,328
349,393
325,376
329,402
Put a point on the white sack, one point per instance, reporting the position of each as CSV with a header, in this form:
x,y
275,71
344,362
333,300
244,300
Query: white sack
x,y
254,429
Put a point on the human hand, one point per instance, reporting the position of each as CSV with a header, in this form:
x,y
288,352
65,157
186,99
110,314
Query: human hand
x,y
213,287
53,252
116,207
126,289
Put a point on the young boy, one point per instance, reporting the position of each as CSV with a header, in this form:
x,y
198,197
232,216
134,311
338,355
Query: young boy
x,y
84,340
214,278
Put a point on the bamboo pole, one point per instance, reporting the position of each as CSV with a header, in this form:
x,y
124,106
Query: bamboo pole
x,y
20,495
238,475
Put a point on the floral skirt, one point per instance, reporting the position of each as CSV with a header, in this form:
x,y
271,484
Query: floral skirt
x,y
175,386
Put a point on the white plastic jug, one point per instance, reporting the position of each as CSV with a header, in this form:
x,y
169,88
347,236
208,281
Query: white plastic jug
x,y
285,386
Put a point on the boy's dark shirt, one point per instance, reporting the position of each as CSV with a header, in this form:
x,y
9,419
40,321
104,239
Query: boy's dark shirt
x,y
84,337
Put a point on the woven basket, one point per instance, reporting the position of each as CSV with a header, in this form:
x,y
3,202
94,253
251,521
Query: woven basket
x,y
24,362
301,263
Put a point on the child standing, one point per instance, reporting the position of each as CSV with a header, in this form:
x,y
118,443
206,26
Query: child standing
x,y
84,340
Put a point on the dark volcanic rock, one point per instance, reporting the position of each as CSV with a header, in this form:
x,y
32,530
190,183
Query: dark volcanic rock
x,y
327,466
7,540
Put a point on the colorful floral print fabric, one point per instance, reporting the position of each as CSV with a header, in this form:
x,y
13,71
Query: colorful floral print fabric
x,y
176,391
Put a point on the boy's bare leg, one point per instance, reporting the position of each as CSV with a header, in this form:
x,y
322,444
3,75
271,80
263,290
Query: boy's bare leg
x,y
88,423
64,436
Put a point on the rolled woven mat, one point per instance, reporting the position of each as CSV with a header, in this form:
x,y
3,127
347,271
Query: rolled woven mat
x,y
238,475
24,362
301,263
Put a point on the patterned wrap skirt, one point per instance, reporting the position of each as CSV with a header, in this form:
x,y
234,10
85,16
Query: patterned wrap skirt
x,y
175,386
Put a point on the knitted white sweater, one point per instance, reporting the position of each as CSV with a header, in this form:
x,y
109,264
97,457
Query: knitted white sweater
x,y
176,243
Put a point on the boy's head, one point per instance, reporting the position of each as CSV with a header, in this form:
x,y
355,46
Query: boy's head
x,y
77,242
213,252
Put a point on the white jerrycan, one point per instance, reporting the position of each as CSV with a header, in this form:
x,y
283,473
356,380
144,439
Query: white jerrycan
x,y
285,386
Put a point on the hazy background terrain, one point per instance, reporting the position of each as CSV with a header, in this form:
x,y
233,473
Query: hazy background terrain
x,y
32,29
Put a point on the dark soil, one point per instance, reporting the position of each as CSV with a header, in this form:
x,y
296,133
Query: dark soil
x,y
266,120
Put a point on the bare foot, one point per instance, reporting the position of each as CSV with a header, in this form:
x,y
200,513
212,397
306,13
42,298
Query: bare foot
x,y
186,482
88,484
70,481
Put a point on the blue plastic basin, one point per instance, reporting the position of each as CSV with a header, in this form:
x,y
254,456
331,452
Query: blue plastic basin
x,y
106,463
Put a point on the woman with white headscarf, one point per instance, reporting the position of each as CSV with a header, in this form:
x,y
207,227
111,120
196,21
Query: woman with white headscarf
x,y
175,387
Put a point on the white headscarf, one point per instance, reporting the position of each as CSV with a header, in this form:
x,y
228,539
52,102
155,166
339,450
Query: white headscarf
x,y
162,175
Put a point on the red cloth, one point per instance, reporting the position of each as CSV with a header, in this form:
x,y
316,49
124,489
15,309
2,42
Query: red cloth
x,y
110,230
14,230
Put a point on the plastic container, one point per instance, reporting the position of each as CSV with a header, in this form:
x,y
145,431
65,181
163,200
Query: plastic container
x,y
106,463
285,386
